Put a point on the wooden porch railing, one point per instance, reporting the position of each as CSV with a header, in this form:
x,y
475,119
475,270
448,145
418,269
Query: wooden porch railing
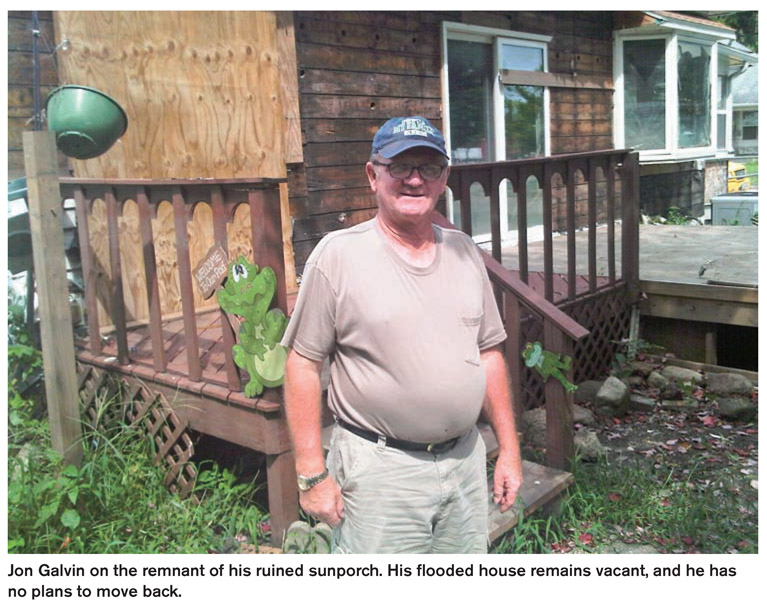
x,y
619,189
560,334
223,197
620,177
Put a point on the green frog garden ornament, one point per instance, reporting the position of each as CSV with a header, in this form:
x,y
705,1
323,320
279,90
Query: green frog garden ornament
x,y
248,293
548,364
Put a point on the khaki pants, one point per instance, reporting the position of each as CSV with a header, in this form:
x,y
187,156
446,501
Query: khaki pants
x,y
399,501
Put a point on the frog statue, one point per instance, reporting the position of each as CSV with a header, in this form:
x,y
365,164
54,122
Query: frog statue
x,y
247,293
548,364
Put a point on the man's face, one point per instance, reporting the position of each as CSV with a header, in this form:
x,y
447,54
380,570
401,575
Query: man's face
x,y
409,200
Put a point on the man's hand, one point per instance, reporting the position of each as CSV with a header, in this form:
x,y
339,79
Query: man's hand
x,y
506,481
498,409
323,502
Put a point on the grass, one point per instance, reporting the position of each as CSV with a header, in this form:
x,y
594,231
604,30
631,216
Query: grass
x,y
116,501
675,509
752,168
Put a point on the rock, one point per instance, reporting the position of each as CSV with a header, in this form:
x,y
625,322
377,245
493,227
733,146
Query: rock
x,y
613,398
727,383
583,415
302,538
656,380
587,391
641,403
679,405
621,547
534,426
642,367
298,538
737,409
671,392
682,375
322,532
635,382
587,445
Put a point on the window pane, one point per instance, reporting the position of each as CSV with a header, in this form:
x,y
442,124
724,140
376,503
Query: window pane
x,y
750,133
721,130
724,90
523,107
525,58
470,77
694,95
644,87
750,118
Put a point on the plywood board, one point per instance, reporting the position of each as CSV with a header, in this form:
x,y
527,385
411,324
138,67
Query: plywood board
x,y
201,90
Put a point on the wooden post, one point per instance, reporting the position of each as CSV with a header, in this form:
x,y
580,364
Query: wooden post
x,y
41,164
630,226
559,403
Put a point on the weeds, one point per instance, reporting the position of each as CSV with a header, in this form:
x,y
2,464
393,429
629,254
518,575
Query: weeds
x,y
116,502
676,510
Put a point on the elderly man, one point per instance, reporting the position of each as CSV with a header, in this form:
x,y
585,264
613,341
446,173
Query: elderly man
x,y
405,312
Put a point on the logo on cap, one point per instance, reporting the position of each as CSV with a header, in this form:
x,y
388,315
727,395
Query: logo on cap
x,y
400,134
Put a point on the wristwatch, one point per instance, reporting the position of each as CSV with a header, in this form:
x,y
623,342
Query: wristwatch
x,y
306,483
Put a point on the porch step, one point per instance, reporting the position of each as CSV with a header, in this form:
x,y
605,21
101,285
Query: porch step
x,y
540,484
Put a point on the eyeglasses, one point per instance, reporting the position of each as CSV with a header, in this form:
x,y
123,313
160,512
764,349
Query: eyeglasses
x,y
401,171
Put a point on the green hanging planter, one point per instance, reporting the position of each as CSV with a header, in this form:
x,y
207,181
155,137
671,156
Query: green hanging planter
x,y
86,121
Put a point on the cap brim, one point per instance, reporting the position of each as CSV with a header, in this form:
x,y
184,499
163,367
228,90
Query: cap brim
x,y
396,148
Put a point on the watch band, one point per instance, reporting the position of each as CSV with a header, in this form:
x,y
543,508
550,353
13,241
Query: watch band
x,y
306,483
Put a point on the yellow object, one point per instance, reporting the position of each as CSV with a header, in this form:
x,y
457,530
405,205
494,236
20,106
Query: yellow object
x,y
736,177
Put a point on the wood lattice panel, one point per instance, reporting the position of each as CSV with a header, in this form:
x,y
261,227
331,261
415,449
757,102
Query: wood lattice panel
x,y
608,317
106,399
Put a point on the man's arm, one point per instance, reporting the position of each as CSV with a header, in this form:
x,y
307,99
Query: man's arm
x,y
497,406
303,411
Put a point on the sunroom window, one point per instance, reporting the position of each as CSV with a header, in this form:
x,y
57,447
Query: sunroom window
x,y
670,102
644,87
694,86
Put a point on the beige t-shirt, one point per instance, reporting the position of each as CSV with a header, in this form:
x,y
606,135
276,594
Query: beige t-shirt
x,y
403,341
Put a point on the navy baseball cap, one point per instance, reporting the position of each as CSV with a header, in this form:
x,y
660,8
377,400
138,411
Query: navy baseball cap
x,y
400,134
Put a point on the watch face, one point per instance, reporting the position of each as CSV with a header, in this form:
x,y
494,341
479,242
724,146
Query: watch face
x,y
305,483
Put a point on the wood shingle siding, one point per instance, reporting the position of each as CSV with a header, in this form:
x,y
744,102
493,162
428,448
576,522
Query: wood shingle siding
x,y
358,69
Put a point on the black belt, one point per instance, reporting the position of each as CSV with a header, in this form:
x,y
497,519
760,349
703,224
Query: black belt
x,y
432,447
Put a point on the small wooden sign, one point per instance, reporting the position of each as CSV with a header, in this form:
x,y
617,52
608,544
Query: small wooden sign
x,y
211,271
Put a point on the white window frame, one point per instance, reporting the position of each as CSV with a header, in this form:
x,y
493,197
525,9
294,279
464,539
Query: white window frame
x,y
726,147
672,38
494,37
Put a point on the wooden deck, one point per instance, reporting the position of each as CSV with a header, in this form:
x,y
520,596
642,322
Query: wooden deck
x,y
181,355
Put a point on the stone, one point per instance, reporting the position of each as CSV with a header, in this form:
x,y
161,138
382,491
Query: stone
x,y
656,380
587,391
322,532
534,426
728,383
583,415
298,538
737,409
302,538
642,367
671,391
635,382
682,375
634,548
588,446
679,405
613,398
641,403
